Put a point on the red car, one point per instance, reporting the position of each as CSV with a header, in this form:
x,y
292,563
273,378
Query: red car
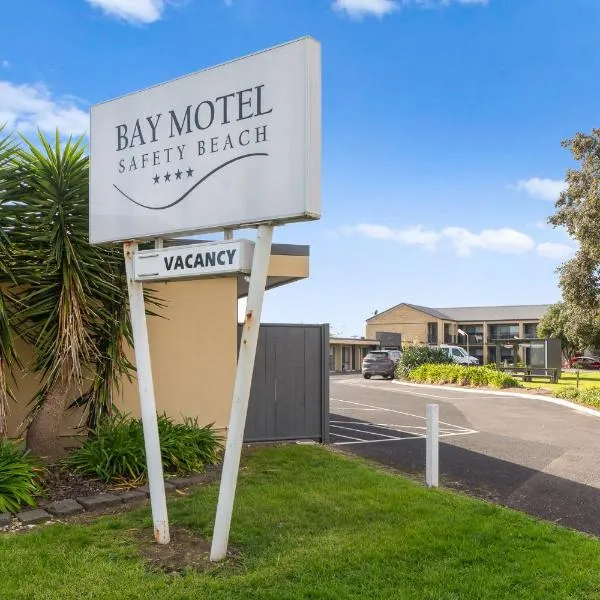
x,y
584,362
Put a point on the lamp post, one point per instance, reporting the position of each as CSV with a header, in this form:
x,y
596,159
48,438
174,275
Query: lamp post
x,y
461,332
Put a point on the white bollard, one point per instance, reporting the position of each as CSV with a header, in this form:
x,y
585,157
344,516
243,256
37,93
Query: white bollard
x,y
432,459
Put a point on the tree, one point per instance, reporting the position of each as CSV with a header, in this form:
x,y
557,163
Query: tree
x,y
578,210
72,303
576,329
8,357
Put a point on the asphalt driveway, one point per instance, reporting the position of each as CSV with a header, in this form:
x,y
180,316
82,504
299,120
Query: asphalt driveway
x,y
528,454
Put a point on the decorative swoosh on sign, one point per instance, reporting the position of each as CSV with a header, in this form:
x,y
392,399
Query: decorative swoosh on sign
x,y
185,194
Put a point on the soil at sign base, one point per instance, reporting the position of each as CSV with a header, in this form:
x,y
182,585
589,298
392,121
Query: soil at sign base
x,y
186,550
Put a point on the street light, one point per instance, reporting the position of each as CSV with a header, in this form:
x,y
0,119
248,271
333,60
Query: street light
x,y
461,332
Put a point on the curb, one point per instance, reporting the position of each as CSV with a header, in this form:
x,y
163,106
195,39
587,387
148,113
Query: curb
x,y
93,504
585,410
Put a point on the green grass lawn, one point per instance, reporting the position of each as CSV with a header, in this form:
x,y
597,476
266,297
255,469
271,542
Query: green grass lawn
x,y
568,379
310,524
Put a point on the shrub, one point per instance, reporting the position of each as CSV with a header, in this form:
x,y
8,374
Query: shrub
x,y
589,396
415,356
568,393
462,375
20,477
115,449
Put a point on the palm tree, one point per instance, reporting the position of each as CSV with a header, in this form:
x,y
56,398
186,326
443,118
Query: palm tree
x,y
71,295
8,356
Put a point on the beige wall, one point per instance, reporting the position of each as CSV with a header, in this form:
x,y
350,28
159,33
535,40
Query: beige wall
x,y
193,351
411,323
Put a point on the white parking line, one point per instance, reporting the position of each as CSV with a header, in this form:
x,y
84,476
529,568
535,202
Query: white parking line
x,y
363,432
399,412
400,389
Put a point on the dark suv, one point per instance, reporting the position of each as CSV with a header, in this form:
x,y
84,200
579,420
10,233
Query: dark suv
x,y
378,362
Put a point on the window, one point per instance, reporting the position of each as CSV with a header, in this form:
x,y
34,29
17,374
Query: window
x,y
530,330
504,332
459,352
432,333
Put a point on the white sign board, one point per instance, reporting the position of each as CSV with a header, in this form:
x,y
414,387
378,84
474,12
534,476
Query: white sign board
x,y
231,146
194,260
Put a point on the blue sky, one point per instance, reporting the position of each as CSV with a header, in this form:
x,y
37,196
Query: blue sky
x,y
442,123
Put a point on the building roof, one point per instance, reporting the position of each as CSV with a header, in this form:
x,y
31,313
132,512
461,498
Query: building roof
x,y
520,312
424,309
353,341
438,313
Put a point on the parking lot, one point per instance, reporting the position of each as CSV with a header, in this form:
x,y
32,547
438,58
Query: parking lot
x,y
532,455
358,423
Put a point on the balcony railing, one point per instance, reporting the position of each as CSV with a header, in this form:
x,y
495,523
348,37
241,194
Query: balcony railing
x,y
475,339
502,336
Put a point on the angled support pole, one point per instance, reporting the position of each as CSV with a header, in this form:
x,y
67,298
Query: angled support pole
x,y
241,391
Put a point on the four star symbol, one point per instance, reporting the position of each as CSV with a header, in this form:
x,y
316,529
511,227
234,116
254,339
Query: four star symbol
x,y
178,175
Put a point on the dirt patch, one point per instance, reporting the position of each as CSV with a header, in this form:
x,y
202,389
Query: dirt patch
x,y
187,550
62,484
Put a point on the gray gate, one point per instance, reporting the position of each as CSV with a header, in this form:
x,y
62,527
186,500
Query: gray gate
x,y
289,399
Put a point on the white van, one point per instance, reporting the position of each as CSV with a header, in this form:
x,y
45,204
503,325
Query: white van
x,y
459,355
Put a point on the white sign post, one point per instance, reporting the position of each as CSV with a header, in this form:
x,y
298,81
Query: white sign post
x,y
141,347
234,146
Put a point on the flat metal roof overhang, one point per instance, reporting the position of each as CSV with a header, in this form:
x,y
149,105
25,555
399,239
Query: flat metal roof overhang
x,y
289,263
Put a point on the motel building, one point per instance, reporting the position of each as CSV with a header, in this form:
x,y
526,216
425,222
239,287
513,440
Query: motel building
x,y
489,329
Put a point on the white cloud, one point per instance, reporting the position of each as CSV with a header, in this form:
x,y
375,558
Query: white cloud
x,y
555,250
503,240
380,8
26,108
541,224
360,8
132,11
413,236
546,189
506,241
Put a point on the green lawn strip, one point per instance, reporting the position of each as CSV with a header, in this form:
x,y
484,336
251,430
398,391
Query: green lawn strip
x,y
312,524
567,379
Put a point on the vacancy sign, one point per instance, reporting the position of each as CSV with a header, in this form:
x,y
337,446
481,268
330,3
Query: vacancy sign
x,y
232,146
196,260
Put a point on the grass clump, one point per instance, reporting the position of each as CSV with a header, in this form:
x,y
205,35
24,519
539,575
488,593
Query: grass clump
x,y
115,450
21,477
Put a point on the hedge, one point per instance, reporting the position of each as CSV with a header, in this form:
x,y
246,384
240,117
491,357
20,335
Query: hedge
x,y
462,375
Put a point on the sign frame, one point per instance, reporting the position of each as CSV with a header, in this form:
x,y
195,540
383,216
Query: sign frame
x,y
274,94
